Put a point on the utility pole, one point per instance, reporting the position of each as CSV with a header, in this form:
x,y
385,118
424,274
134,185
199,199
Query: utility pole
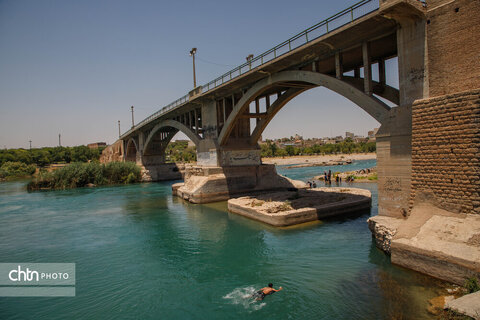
x,y
192,54
119,134
30,144
59,140
133,123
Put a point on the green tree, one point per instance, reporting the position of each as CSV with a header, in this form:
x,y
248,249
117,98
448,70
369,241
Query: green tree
x,y
290,150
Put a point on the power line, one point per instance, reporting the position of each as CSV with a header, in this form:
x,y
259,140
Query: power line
x,y
217,64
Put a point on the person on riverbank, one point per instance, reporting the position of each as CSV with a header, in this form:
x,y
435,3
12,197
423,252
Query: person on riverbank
x,y
262,293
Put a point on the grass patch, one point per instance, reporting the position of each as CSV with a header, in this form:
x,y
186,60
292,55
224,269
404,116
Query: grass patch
x,y
286,206
79,175
257,203
373,177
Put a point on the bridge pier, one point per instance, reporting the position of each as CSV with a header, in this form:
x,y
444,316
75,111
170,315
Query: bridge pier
x,y
205,184
224,171
394,138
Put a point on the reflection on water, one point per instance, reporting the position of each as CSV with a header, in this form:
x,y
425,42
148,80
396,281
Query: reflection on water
x,y
140,253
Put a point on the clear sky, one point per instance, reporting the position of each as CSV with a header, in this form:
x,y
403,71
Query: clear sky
x,y
76,67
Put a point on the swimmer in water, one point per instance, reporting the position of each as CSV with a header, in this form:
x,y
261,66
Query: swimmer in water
x,y
262,293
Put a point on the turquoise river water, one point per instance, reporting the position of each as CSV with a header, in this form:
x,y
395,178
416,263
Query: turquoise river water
x,y
142,254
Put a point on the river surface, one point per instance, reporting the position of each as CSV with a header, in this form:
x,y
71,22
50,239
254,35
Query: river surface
x,y
142,254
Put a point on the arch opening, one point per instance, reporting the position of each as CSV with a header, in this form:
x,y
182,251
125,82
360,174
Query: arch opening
x,y
131,151
292,83
160,135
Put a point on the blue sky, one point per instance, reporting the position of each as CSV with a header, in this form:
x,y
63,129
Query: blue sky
x,y
76,67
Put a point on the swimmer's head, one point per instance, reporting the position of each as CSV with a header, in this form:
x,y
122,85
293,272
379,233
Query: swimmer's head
x,y
270,285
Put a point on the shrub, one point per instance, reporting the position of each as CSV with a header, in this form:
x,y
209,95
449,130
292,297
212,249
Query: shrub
x,y
82,174
16,169
471,284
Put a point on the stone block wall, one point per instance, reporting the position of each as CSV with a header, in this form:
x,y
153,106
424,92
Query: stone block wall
x,y
453,29
446,151
113,152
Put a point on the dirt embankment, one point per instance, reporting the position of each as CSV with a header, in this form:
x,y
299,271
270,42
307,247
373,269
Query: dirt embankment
x,y
319,160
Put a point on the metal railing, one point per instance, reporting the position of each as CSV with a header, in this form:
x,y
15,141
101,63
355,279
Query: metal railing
x,y
326,26
340,19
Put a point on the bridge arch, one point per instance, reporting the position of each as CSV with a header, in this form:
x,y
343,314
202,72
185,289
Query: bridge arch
x,y
131,150
373,106
171,124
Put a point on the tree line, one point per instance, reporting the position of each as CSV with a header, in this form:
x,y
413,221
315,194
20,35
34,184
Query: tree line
x,y
270,149
42,157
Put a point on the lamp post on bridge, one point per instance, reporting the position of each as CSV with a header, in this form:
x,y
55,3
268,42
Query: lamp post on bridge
x,y
133,122
119,134
192,54
249,60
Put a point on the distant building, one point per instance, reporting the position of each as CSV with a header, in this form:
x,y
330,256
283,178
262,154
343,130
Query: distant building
x,y
97,145
349,135
372,133
358,139
329,141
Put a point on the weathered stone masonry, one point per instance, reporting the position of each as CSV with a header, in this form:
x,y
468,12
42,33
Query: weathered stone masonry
x,y
446,151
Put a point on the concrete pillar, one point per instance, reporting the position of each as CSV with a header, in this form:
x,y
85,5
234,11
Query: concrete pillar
x,y
412,66
140,146
207,150
338,65
394,138
381,73
394,162
367,68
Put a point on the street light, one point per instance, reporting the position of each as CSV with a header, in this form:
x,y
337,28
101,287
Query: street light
x,y
249,60
192,54
133,122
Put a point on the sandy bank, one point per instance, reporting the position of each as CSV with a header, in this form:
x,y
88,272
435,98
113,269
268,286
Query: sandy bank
x,y
368,175
318,159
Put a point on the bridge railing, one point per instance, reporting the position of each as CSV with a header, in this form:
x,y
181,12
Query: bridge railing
x,y
159,113
336,21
